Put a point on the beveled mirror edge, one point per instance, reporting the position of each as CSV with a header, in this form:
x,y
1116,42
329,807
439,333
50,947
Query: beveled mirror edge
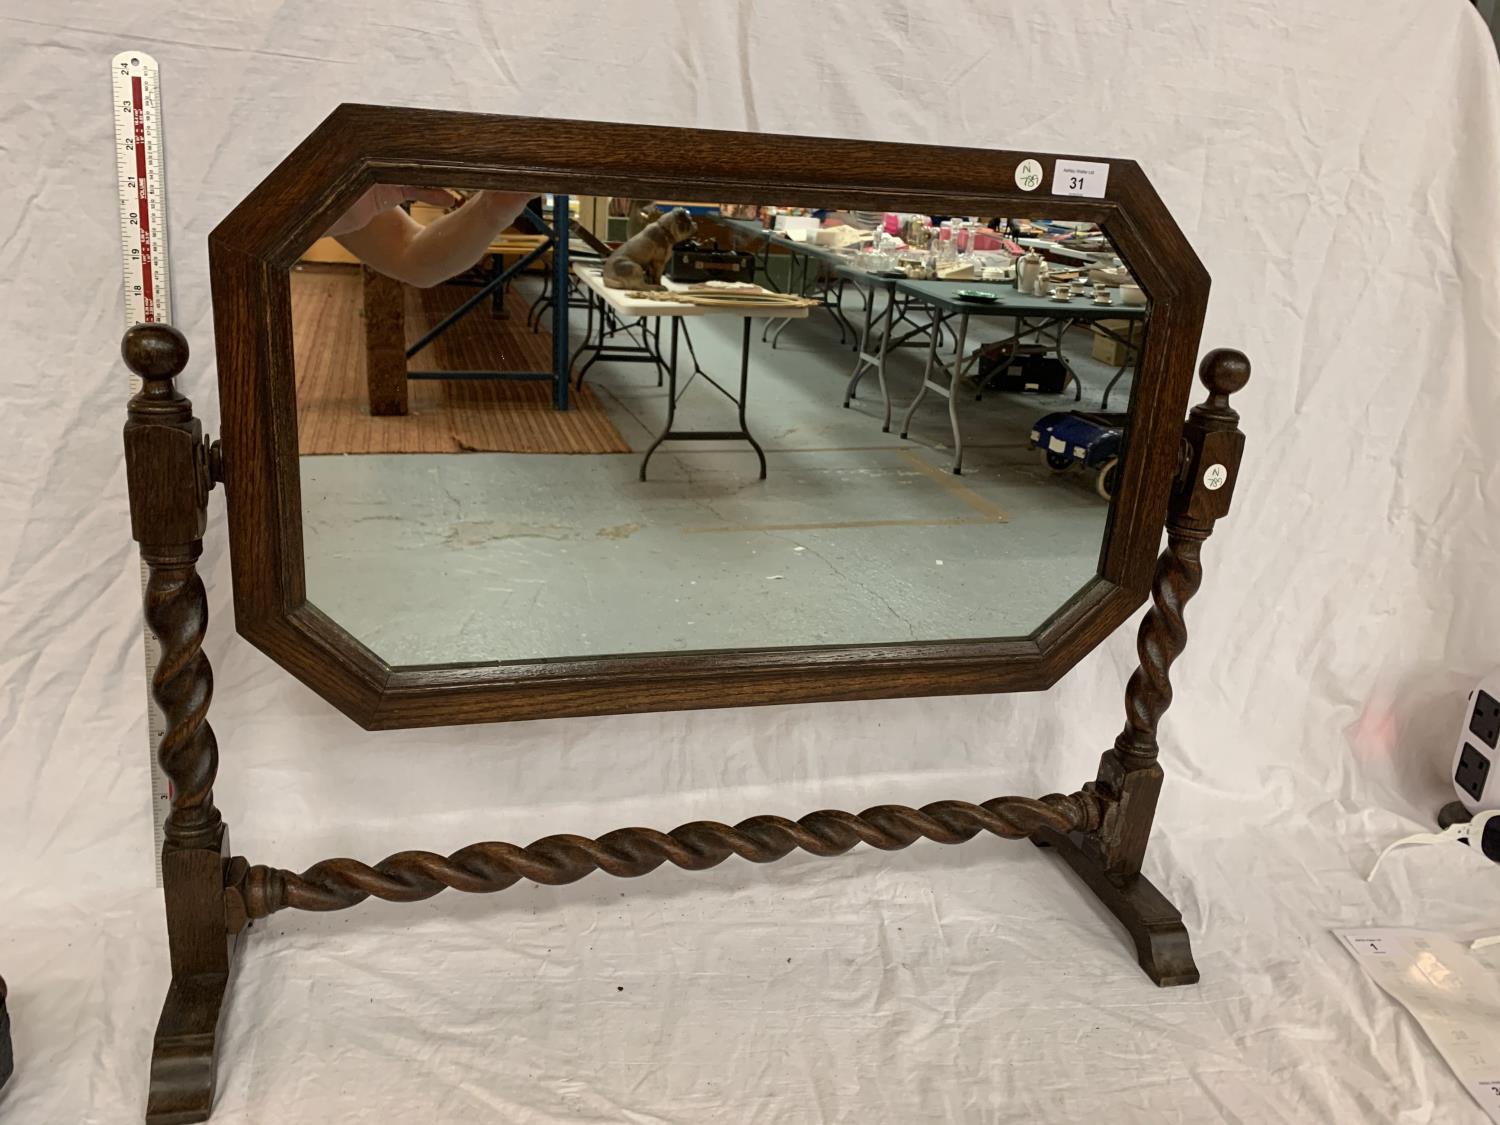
x,y
249,258
378,696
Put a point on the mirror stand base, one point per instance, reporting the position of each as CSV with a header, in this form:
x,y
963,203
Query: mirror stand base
x,y
203,941
1161,940
183,1057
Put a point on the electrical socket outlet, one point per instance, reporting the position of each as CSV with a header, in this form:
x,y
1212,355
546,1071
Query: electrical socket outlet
x,y
1472,772
1484,719
1474,766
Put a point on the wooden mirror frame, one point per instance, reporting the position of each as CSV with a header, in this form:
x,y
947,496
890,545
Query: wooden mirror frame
x,y
251,253
1177,475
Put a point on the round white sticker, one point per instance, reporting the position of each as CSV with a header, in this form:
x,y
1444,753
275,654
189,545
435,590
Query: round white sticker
x,y
1214,477
1028,175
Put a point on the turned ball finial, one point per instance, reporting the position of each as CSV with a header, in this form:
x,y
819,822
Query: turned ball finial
x,y
1224,371
154,351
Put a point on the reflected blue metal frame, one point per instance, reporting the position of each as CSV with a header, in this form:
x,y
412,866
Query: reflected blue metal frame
x,y
558,232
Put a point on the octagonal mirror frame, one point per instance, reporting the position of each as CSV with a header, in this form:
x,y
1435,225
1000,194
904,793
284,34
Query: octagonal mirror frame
x,y
251,254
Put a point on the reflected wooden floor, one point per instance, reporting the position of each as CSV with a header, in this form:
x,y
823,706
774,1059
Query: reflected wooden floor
x,y
494,416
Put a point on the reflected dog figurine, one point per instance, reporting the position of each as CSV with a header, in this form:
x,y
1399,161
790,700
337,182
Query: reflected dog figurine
x,y
638,262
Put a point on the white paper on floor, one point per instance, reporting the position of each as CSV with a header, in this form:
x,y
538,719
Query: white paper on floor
x,y
1452,993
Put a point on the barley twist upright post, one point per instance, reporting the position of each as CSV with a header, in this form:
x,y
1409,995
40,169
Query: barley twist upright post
x,y
1130,777
167,467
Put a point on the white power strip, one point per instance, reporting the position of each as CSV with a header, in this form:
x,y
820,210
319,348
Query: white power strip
x,y
140,169
1476,757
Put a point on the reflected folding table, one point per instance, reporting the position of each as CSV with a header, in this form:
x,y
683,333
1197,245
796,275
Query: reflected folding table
x,y
387,354
805,259
942,298
628,306
875,343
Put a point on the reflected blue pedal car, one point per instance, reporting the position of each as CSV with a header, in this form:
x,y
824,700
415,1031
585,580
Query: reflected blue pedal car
x,y
1082,439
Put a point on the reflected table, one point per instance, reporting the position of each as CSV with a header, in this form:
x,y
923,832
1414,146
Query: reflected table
x,y
387,354
942,298
384,314
629,307
875,339
1061,252
810,271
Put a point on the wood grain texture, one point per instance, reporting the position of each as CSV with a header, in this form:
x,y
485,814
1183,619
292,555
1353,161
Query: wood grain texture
x,y
323,320
252,249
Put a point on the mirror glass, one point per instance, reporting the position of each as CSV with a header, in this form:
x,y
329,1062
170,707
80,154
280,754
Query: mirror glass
x,y
732,426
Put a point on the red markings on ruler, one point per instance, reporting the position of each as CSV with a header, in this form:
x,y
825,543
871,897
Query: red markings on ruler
x,y
143,204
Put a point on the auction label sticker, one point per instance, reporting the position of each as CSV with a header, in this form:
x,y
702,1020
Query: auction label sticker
x,y
1080,177
1029,175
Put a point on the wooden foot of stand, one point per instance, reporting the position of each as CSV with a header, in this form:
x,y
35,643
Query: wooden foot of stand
x,y
1154,924
184,1056
187,1035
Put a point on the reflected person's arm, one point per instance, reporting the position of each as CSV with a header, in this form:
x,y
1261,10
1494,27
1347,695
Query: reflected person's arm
x,y
398,246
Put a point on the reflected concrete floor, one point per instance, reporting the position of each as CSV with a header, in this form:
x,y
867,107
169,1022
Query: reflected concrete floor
x,y
856,536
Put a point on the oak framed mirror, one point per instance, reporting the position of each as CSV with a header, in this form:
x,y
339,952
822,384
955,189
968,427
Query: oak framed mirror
x,y
663,418
618,547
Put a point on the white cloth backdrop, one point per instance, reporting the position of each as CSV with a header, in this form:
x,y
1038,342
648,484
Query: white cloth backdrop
x,y
1334,164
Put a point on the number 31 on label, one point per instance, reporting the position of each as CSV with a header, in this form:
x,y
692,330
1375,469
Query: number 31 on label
x,y
1080,177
